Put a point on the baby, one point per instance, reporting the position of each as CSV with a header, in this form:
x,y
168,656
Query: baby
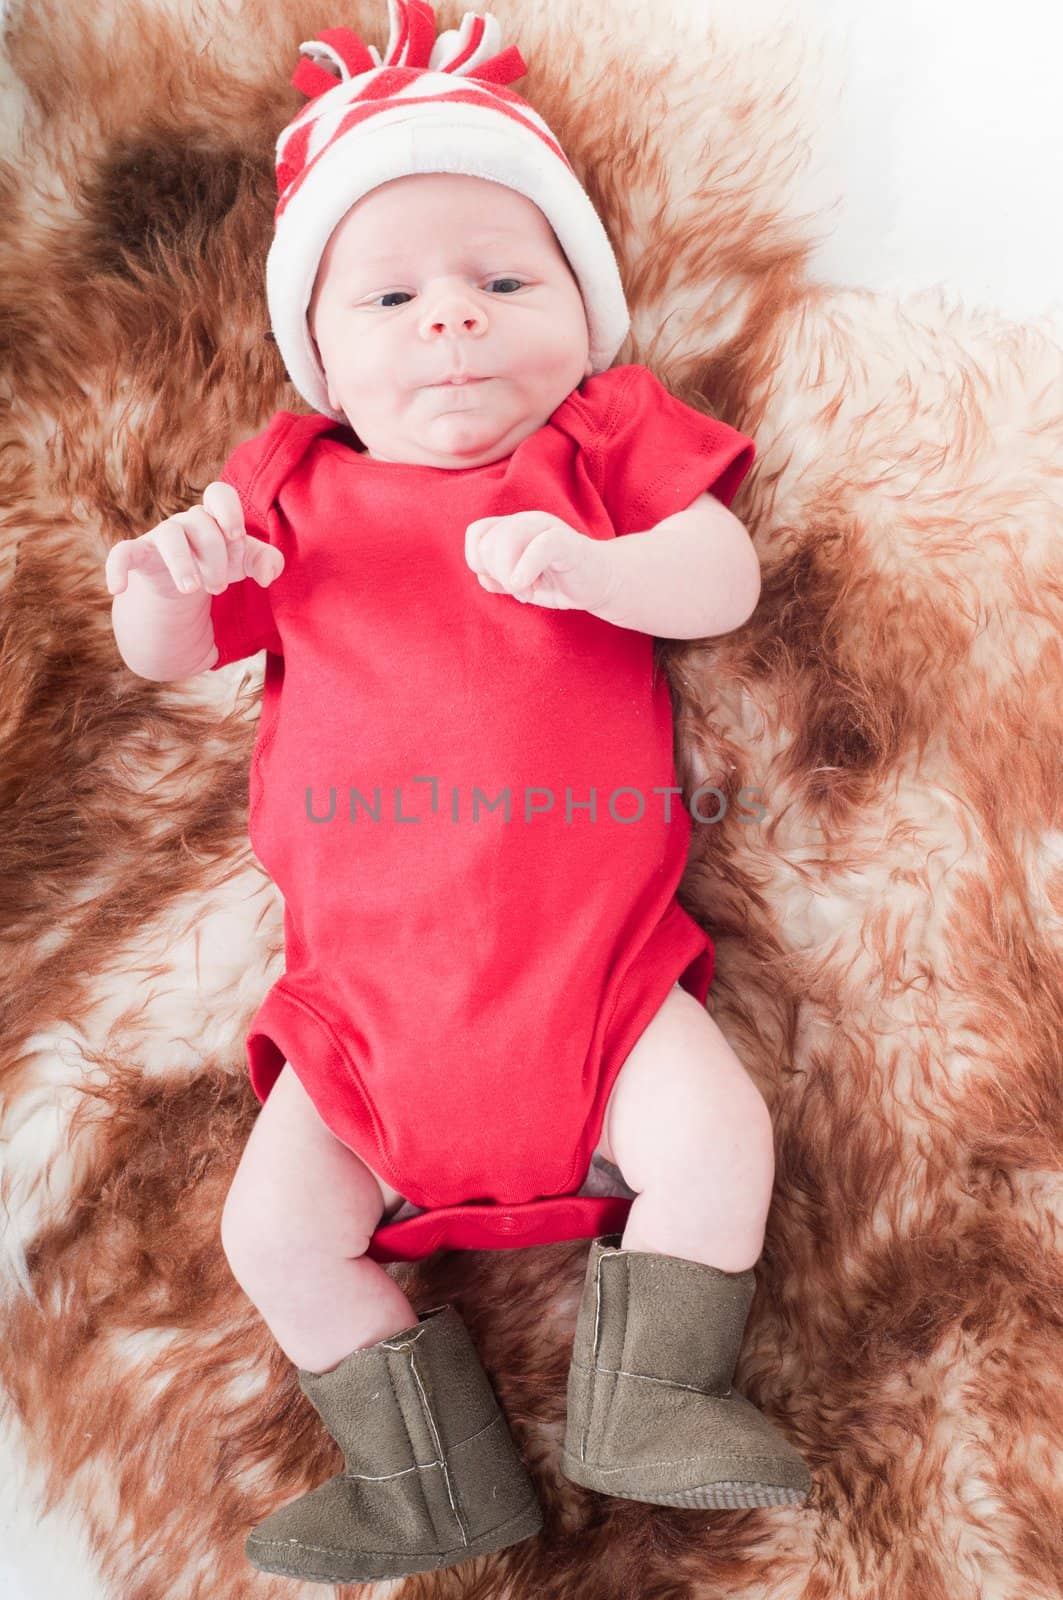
x,y
457,566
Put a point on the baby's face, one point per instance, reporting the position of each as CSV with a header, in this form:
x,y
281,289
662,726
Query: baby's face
x,y
437,273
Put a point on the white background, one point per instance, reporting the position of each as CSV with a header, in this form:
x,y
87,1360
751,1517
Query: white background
x,y
947,147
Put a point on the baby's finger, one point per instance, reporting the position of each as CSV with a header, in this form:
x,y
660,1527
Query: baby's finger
x,y
216,560
223,503
473,534
489,583
163,558
116,567
178,543
534,561
261,561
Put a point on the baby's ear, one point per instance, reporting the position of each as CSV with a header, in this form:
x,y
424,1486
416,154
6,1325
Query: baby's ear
x,y
328,385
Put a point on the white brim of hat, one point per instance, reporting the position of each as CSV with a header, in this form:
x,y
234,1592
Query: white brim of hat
x,y
433,139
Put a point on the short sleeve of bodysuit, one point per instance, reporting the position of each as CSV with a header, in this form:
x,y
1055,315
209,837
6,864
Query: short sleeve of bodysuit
x,y
649,454
242,615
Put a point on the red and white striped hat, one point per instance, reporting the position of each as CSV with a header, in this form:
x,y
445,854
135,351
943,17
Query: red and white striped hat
x,y
431,105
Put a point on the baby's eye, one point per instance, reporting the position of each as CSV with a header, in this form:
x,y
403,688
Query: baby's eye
x,y
391,293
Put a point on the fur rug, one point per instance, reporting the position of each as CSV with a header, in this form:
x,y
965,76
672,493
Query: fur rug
x,y
888,958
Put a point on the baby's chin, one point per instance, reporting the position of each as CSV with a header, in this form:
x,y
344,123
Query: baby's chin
x,y
453,438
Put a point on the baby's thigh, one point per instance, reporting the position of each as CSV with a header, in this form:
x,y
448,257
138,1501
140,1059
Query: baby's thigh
x,y
679,1089
297,1186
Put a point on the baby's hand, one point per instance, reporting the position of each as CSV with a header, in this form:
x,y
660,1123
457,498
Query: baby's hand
x,y
205,547
533,555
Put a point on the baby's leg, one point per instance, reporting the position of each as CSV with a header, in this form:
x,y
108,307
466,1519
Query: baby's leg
x,y
692,1135
296,1223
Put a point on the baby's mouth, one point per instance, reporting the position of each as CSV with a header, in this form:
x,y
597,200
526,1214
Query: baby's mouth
x,y
457,383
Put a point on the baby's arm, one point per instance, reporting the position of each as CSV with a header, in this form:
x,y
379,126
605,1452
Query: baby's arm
x,y
162,583
692,576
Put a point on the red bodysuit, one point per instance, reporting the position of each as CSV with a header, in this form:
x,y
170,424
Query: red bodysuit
x,y
465,804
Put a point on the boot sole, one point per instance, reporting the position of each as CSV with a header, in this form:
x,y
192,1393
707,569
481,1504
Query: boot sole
x,y
726,1495
354,1566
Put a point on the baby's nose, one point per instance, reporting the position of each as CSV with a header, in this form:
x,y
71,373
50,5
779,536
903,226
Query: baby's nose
x,y
449,323
451,310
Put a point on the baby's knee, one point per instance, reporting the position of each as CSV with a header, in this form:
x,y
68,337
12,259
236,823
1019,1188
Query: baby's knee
x,y
272,1238
694,1113
299,1200
246,1231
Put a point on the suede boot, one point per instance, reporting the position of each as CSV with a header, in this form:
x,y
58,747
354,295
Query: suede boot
x,y
651,1411
433,1477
